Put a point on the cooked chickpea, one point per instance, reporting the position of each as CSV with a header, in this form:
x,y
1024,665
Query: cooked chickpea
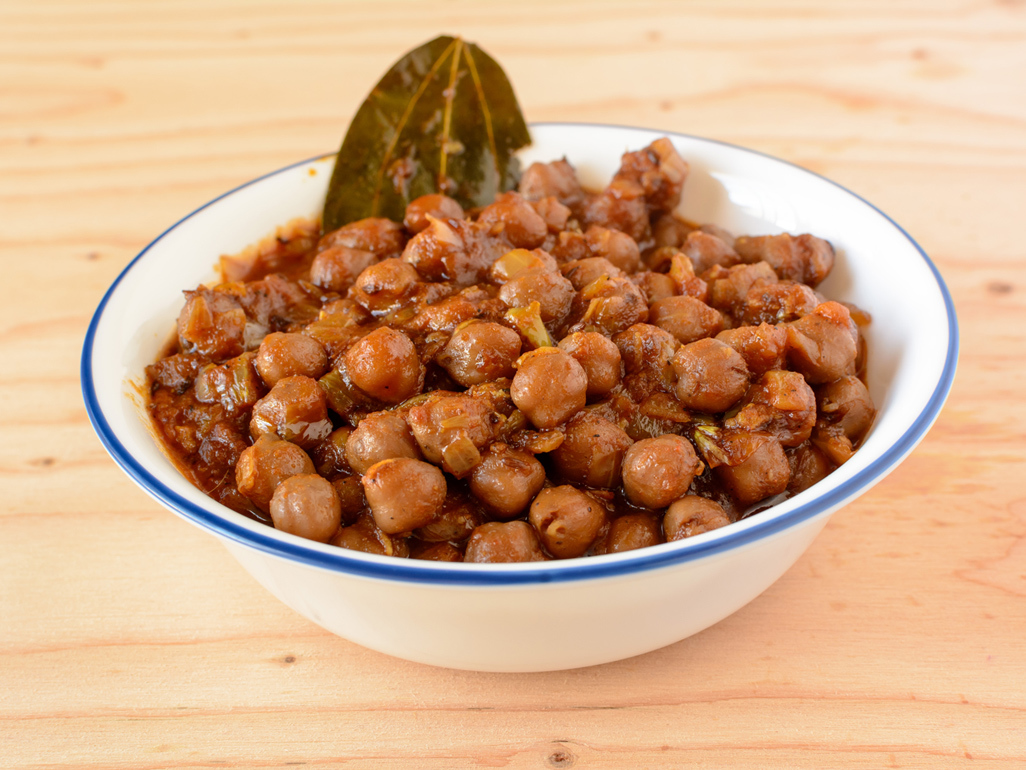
x,y
336,268
456,519
506,480
515,217
619,248
657,471
435,205
404,494
655,286
592,452
686,318
629,532
366,536
711,376
553,293
381,236
385,285
263,466
567,520
764,473
351,498
846,403
296,409
549,387
598,356
693,515
306,505
823,344
385,365
503,541
285,355
780,403
581,272
380,436
479,352
558,179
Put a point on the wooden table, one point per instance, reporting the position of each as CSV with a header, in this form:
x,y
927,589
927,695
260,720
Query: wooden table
x,y
130,639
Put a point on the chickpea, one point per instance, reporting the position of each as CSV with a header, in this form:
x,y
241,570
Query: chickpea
x,y
581,272
308,506
381,236
804,258
621,206
592,452
706,250
456,520
549,387
385,365
846,403
557,179
553,212
777,302
619,248
515,217
385,285
657,471
435,552
380,436
711,376
762,347
336,268
655,286
764,473
693,515
212,324
330,455
506,480
823,344
479,352
451,430
550,290
686,318
598,356
404,494
366,536
513,263
351,498
781,403
263,466
296,409
809,465
286,355
435,205
497,541
629,532
567,520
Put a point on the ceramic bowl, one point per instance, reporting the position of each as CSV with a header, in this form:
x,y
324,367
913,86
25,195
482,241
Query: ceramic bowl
x,y
551,615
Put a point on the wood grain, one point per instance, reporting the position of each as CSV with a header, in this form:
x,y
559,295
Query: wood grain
x,y
129,639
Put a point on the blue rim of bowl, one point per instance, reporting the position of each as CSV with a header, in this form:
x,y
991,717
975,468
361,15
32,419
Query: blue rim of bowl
x,y
405,570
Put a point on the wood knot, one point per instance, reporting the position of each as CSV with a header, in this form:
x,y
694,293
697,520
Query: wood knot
x,y
562,757
1000,287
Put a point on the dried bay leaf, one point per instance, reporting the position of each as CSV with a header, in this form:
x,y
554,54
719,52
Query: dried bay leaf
x,y
444,119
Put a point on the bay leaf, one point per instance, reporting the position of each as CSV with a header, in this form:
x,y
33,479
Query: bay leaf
x,y
444,119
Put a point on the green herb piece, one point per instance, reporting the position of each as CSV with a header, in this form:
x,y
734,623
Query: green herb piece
x,y
443,119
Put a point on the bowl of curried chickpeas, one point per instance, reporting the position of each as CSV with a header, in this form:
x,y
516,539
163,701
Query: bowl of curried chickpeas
x,y
583,422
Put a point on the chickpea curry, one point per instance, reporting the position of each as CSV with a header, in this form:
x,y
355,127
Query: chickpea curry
x,y
557,374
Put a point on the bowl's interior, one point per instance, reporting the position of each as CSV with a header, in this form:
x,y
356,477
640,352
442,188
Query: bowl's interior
x,y
912,344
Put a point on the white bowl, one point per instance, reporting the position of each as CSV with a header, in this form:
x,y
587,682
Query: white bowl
x,y
553,615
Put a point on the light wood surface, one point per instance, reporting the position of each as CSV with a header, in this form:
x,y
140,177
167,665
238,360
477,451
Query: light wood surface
x,y
130,639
